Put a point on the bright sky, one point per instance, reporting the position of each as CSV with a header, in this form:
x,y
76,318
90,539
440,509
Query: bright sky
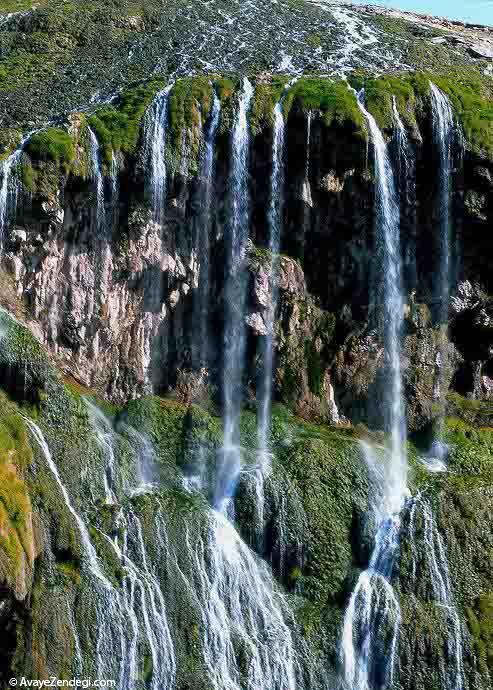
x,y
479,11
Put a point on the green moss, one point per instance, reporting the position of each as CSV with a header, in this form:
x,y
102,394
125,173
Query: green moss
x,y
52,144
189,106
16,537
379,94
227,88
333,99
329,476
266,95
470,94
70,570
480,623
118,126
9,141
176,430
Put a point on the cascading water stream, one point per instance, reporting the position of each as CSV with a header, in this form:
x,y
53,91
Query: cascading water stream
x,y
435,557
201,342
155,144
114,188
240,609
372,618
84,532
406,161
201,305
235,303
391,301
8,191
443,133
266,382
104,436
126,619
97,176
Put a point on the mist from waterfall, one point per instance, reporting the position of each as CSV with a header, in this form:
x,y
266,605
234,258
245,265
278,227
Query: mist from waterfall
x,y
201,338
155,147
97,176
235,294
8,191
372,618
423,530
443,134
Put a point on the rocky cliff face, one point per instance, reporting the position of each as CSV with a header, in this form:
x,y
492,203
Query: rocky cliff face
x,y
111,426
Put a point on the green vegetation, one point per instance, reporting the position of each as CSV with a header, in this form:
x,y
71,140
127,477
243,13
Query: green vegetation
x,y
189,106
470,93
7,6
267,94
118,126
9,141
48,156
16,537
333,99
52,144
480,621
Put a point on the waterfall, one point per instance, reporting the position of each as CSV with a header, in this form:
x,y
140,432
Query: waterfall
x,y
266,383
8,191
387,232
114,187
127,619
443,133
142,590
306,194
97,176
372,618
155,145
235,301
435,557
202,241
406,162
103,432
83,531
240,610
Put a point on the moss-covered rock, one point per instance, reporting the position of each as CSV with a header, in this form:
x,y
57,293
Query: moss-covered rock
x,y
333,98
17,543
118,126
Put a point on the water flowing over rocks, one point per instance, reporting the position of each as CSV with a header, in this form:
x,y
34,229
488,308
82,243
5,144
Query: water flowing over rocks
x,y
246,347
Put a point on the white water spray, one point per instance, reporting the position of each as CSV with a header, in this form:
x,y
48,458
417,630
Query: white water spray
x,y
97,176
443,133
125,620
241,609
372,618
266,382
104,434
8,191
83,531
434,556
202,243
155,138
235,303
387,238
